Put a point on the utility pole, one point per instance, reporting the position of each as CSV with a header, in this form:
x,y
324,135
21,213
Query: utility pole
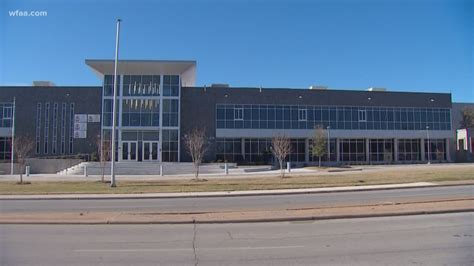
x,y
112,163
329,144
12,166
429,144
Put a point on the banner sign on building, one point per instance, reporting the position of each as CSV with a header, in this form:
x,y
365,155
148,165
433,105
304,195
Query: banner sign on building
x,y
93,118
80,118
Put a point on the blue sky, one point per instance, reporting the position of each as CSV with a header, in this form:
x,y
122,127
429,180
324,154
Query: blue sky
x,y
417,45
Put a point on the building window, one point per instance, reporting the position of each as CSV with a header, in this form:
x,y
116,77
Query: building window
x,y
436,150
362,116
63,128
169,144
324,158
46,128
5,148
38,128
229,149
71,128
239,114
7,112
258,150
381,150
55,129
302,114
409,150
352,150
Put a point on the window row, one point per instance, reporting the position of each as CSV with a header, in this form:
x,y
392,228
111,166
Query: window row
x,y
308,117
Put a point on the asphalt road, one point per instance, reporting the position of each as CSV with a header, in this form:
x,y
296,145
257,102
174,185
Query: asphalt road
x,y
239,202
443,239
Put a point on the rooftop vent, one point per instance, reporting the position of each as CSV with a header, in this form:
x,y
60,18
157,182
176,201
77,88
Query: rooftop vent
x,y
43,83
318,87
376,89
220,85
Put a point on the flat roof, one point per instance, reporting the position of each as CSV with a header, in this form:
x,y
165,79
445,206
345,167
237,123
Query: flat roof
x,y
185,68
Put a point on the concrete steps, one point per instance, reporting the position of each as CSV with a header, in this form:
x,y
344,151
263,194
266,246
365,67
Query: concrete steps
x,y
146,168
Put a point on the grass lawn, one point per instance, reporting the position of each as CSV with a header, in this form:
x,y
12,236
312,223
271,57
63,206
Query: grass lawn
x,y
387,176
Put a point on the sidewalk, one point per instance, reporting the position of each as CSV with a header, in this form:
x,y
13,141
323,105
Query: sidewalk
x,y
218,194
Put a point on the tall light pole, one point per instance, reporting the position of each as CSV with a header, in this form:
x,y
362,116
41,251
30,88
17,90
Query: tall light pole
x,y
429,144
114,108
12,165
329,144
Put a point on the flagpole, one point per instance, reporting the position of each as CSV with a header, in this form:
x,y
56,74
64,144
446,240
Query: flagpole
x,y
112,163
12,166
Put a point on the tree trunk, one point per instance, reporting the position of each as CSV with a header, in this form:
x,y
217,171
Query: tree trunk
x,y
21,178
196,171
282,172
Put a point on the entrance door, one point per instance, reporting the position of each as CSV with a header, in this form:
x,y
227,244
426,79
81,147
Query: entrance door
x,y
129,150
150,151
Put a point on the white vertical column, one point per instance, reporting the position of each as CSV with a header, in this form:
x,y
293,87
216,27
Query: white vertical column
x,y
160,144
338,144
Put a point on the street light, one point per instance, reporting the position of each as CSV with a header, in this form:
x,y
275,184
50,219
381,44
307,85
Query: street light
x,y
329,143
112,161
428,137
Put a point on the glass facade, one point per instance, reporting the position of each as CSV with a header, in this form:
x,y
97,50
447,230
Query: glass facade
x,y
381,150
146,104
229,149
5,148
409,150
6,114
352,150
337,117
436,150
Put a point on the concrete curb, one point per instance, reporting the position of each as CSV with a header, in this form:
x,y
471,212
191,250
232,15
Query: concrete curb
x,y
260,220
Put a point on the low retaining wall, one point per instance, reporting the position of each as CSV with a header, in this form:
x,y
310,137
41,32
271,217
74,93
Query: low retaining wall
x,y
41,166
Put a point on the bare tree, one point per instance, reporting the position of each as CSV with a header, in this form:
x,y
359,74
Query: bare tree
x,y
319,146
281,148
23,149
104,153
467,117
196,145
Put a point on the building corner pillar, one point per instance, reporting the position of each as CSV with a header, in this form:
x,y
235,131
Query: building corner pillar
x,y
422,149
306,150
395,148
367,151
448,150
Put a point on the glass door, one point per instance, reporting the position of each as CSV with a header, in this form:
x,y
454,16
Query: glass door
x,y
129,150
150,151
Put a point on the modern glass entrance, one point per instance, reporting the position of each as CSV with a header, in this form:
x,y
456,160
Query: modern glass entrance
x,y
150,150
129,150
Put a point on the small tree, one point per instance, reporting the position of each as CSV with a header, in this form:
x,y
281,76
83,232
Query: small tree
x,y
196,145
281,148
467,117
23,149
104,154
319,146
